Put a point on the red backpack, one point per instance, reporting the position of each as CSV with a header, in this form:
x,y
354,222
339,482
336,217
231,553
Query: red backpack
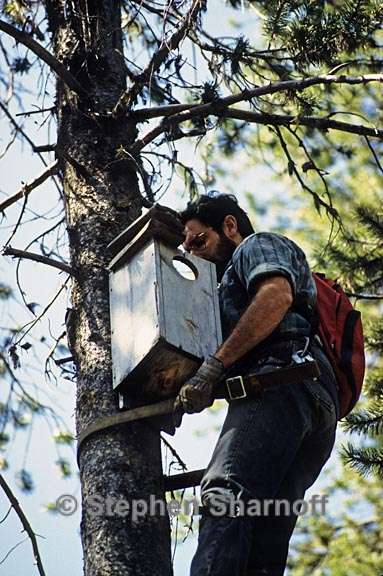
x,y
340,329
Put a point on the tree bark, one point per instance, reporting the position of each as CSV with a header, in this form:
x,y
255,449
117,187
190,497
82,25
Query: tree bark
x,y
101,197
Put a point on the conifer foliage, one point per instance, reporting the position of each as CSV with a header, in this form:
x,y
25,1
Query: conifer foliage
x,y
365,265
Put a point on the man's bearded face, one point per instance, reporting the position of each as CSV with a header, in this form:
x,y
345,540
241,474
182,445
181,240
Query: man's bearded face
x,y
207,243
223,250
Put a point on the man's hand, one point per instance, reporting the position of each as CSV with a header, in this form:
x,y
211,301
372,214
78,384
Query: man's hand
x,y
198,392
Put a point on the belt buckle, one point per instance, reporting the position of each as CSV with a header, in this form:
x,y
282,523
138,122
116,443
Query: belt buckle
x,y
236,380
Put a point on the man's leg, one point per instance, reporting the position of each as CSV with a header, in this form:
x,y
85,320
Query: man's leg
x,y
263,444
271,534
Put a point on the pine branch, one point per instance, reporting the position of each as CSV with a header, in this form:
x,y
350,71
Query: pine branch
x,y
374,381
364,460
358,268
218,106
8,251
368,421
44,55
27,188
374,342
369,218
158,58
26,525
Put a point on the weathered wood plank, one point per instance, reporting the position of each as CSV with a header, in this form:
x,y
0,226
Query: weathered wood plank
x,y
191,319
152,229
184,480
167,220
133,312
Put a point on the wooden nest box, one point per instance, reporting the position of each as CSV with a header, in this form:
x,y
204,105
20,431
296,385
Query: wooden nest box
x,y
164,319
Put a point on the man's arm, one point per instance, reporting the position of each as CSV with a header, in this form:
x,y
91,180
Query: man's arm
x,y
265,311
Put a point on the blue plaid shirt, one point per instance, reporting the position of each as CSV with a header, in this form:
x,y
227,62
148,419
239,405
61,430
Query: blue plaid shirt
x,y
257,257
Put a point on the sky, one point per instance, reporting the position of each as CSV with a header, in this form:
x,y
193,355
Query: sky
x,y
59,539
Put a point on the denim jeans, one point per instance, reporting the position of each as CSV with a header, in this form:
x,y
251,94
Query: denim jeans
x,y
271,447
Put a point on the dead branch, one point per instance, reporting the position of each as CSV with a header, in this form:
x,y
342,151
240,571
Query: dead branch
x,y
379,165
12,550
365,296
26,525
312,165
293,171
312,121
9,251
24,394
47,370
62,361
16,226
34,322
6,515
182,481
45,148
218,106
143,114
39,111
175,453
27,188
158,58
18,129
46,56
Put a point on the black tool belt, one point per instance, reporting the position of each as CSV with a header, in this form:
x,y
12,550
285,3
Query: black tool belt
x,y
252,384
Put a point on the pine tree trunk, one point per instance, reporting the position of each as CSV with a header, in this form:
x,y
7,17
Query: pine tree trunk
x,y
101,196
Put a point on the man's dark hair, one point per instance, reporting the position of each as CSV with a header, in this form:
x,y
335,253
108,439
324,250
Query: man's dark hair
x,y
211,209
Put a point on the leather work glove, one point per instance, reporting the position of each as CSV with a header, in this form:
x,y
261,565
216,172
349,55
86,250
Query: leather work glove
x,y
198,392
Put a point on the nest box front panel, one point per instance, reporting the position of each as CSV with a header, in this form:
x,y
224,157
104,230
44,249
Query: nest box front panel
x,y
189,303
134,312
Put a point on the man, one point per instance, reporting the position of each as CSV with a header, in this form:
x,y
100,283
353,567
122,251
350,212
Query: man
x,y
280,429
